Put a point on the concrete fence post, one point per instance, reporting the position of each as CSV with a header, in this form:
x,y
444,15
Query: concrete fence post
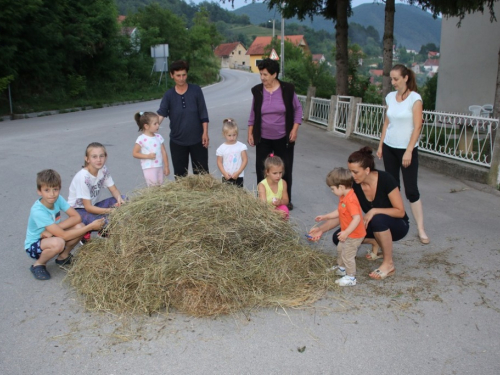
x,y
331,113
351,119
494,173
311,91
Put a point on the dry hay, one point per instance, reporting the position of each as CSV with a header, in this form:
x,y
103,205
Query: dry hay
x,y
201,247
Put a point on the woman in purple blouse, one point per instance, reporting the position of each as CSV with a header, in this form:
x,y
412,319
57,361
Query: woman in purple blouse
x,y
274,121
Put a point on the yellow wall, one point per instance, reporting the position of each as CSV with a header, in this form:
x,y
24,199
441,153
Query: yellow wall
x,y
253,61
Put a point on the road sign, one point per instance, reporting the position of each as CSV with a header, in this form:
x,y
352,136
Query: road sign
x,y
274,55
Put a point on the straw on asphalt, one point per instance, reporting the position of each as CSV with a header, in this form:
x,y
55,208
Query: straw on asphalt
x,y
201,247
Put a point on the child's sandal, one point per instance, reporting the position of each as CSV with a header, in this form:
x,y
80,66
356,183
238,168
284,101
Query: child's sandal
x,y
40,272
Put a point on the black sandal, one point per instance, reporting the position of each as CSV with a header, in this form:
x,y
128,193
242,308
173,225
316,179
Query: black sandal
x,y
40,272
64,262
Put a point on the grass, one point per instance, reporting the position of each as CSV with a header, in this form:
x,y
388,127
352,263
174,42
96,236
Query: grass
x,y
64,103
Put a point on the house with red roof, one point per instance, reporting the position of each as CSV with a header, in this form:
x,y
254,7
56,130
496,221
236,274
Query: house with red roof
x,y
232,55
431,65
318,58
257,49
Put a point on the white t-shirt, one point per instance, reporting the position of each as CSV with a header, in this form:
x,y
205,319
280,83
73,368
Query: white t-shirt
x,y
148,145
87,186
400,117
231,156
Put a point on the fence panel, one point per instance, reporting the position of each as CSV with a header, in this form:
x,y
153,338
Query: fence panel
x,y
342,114
369,120
455,136
319,111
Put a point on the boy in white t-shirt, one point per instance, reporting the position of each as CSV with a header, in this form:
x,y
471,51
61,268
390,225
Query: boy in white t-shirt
x,y
232,155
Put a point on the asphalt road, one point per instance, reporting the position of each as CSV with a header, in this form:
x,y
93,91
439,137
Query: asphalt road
x,y
439,314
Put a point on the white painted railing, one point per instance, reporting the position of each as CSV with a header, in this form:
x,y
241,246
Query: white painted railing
x,y
319,111
455,136
342,113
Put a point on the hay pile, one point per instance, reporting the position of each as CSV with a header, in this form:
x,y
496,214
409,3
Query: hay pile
x,y
201,247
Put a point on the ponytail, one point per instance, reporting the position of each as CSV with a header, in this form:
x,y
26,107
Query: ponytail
x,y
411,83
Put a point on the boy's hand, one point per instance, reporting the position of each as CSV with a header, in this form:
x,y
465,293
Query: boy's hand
x,y
97,224
319,218
46,234
152,155
342,236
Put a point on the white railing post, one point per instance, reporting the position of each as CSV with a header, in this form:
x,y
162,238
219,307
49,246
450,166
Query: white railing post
x,y
331,113
311,91
351,122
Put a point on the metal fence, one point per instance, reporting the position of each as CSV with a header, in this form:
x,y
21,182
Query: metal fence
x,y
456,136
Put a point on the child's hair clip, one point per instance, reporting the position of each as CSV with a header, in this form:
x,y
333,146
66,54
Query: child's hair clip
x,y
271,155
141,113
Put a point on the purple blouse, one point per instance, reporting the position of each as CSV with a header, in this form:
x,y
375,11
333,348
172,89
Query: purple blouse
x,y
273,114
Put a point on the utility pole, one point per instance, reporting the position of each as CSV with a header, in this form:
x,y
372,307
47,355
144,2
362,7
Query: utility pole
x,y
282,57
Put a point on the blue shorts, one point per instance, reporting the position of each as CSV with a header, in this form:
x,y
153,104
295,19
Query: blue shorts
x,y
35,250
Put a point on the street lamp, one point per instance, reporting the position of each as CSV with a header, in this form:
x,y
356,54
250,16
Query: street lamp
x,y
273,21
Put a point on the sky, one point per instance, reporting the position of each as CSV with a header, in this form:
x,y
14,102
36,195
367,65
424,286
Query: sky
x,y
240,3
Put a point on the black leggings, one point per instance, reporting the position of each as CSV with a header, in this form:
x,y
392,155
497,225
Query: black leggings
x,y
393,163
180,158
380,223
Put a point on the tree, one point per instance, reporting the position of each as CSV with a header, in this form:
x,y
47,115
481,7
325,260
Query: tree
x,y
336,10
448,8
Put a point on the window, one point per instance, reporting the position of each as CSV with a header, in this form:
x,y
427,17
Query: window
x,y
239,52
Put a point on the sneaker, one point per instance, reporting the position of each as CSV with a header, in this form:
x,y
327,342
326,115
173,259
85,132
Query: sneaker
x,y
339,271
346,281
103,233
85,238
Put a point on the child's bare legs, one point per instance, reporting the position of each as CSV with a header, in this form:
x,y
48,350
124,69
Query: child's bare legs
x,y
70,244
384,240
50,248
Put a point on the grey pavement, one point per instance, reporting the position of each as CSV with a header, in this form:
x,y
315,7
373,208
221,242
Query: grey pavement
x,y
439,314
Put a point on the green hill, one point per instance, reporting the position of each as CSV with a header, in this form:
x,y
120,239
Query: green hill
x,y
413,27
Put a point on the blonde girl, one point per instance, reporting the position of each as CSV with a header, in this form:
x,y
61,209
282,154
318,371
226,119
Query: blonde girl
x,y
232,155
86,187
150,149
272,189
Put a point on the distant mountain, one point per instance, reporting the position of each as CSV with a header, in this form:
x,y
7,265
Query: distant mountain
x,y
413,27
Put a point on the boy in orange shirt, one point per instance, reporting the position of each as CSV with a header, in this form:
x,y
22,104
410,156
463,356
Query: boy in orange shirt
x,y
352,229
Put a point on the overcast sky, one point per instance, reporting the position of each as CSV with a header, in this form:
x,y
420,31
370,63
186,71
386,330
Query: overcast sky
x,y
240,3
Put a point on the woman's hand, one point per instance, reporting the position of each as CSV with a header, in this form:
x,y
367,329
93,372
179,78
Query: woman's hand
x,y
315,234
205,140
293,135
368,217
407,159
379,152
250,140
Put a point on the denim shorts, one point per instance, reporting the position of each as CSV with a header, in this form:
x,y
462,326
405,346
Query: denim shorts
x,y
35,249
